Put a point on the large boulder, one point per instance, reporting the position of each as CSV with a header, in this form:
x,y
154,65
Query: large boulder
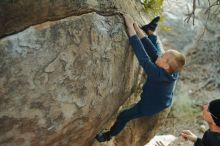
x,y
63,80
20,14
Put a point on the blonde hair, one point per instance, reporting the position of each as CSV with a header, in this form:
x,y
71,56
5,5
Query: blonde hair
x,y
176,62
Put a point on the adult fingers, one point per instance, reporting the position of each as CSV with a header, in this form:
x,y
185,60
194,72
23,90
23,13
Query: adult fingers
x,y
159,143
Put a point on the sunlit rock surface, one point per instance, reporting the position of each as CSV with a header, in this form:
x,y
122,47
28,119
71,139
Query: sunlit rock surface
x,y
65,69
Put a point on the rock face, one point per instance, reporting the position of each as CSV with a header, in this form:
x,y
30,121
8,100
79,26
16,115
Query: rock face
x,y
62,80
18,15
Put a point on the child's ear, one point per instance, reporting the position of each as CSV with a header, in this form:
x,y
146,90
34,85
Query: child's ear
x,y
166,67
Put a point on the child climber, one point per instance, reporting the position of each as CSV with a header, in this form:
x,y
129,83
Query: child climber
x,y
162,71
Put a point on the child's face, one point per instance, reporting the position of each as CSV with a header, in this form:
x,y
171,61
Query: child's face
x,y
162,61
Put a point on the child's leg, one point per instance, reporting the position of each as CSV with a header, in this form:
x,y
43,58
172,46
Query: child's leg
x,y
123,118
153,39
120,123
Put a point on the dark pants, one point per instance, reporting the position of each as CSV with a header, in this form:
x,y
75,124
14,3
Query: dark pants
x,y
124,117
133,112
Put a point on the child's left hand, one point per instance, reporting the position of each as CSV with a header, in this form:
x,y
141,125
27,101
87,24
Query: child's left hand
x,y
128,20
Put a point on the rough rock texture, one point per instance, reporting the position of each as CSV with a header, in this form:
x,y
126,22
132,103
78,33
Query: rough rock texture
x,y
56,76
62,81
16,15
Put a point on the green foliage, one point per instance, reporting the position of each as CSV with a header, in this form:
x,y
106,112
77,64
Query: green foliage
x,y
186,106
154,8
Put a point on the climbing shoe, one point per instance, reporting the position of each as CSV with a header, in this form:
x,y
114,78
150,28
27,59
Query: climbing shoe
x,y
103,136
152,25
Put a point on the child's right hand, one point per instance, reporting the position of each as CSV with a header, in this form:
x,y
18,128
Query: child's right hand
x,y
138,30
136,27
188,135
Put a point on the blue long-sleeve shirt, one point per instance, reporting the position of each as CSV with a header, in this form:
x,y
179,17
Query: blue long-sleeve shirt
x,y
157,91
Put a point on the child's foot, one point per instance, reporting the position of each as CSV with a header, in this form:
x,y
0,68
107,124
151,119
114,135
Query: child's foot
x,y
103,136
152,26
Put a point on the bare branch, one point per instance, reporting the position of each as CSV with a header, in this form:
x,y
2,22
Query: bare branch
x,y
212,5
192,13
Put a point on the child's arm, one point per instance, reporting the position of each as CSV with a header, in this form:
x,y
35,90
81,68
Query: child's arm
x,y
138,47
143,58
150,49
148,45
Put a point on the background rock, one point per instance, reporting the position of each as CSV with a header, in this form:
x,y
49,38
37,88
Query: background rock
x,y
199,82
